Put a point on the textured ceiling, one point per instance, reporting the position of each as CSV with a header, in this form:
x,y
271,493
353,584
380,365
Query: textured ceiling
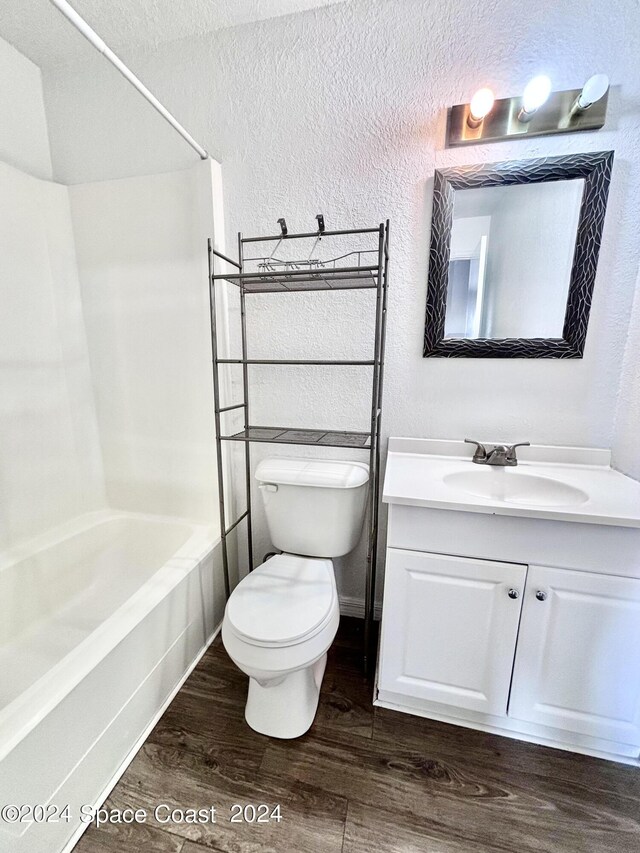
x,y
38,30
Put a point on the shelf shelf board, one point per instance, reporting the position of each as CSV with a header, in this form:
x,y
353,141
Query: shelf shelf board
x,y
288,435
347,278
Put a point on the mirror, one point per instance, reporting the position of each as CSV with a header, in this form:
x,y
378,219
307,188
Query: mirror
x,y
516,285
514,249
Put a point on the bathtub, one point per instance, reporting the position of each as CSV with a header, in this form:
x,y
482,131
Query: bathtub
x,y
100,622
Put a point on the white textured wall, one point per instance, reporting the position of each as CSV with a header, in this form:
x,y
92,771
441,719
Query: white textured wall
x,y
141,248
342,110
626,443
50,463
24,141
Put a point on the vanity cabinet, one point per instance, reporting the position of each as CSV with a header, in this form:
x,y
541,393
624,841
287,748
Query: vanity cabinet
x,y
577,663
542,651
512,595
450,628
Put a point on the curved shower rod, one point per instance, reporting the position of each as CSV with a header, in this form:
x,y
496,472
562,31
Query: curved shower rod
x,y
91,35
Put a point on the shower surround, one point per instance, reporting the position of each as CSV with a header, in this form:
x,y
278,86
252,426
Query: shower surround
x,y
110,568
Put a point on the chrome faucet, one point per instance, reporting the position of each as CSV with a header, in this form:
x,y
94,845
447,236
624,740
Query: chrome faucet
x,y
503,455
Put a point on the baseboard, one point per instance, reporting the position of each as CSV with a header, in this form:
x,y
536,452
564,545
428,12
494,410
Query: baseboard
x,y
540,738
351,606
139,743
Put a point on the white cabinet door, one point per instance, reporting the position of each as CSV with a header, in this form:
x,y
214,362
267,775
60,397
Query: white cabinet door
x,y
449,629
578,659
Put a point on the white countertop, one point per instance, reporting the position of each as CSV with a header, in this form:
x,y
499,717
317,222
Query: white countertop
x,y
416,469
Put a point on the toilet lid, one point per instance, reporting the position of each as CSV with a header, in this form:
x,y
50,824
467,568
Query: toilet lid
x,y
283,600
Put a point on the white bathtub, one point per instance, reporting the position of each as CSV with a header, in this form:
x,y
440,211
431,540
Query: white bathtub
x,y
100,621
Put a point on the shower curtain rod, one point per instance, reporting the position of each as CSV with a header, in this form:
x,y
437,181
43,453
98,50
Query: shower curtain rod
x,y
90,34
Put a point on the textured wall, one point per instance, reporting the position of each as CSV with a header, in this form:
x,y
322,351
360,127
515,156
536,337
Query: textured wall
x,y
342,110
24,142
626,447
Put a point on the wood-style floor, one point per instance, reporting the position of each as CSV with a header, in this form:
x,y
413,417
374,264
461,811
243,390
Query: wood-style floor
x,y
362,780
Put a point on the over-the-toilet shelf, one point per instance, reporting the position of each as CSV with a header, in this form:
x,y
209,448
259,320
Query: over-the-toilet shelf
x,y
356,268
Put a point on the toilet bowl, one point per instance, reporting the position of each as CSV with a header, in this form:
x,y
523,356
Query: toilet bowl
x,y
277,628
281,619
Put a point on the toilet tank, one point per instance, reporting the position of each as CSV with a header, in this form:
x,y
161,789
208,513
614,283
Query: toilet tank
x,y
314,507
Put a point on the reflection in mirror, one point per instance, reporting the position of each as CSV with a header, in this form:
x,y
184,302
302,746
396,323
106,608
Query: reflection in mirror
x,y
511,255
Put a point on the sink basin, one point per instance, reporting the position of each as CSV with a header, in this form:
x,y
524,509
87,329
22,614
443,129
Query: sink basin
x,y
566,484
514,487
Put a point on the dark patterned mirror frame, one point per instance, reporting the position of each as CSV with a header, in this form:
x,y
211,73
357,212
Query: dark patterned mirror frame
x,y
595,168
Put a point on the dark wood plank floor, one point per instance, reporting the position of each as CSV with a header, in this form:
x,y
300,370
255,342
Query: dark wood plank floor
x,y
361,780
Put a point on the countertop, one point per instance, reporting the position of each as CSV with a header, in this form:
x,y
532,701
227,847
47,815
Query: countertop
x,y
416,469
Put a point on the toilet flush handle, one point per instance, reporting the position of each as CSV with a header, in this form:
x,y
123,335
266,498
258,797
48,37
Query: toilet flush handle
x,y
268,487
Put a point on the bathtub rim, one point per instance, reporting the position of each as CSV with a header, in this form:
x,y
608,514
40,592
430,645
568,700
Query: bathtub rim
x,y
34,545
18,718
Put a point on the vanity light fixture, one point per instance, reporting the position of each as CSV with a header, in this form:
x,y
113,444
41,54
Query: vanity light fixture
x,y
536,94
536,112
480,106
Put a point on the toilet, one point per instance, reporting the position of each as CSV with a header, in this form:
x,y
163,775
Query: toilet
x,y
281,619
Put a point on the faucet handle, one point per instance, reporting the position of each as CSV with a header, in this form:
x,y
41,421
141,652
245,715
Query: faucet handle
x,y
511,449
480,452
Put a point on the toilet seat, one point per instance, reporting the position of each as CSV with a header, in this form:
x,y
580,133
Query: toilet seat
x,y
283,602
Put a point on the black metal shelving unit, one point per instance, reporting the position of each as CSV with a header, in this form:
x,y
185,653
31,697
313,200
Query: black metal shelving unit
x,y
357,269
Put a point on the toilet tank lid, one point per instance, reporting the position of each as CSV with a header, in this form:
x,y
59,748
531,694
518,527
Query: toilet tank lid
x,y
322,473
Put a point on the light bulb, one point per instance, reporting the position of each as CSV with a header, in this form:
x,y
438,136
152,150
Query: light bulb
x,y
481,104
595,88
536,93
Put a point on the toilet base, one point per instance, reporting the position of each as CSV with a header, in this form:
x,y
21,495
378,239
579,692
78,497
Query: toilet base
x,y
285,708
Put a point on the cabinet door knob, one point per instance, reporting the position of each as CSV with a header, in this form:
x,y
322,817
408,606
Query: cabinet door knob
x,y
513,593
541,595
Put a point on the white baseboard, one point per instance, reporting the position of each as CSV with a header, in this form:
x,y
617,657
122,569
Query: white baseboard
x,y
351,606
